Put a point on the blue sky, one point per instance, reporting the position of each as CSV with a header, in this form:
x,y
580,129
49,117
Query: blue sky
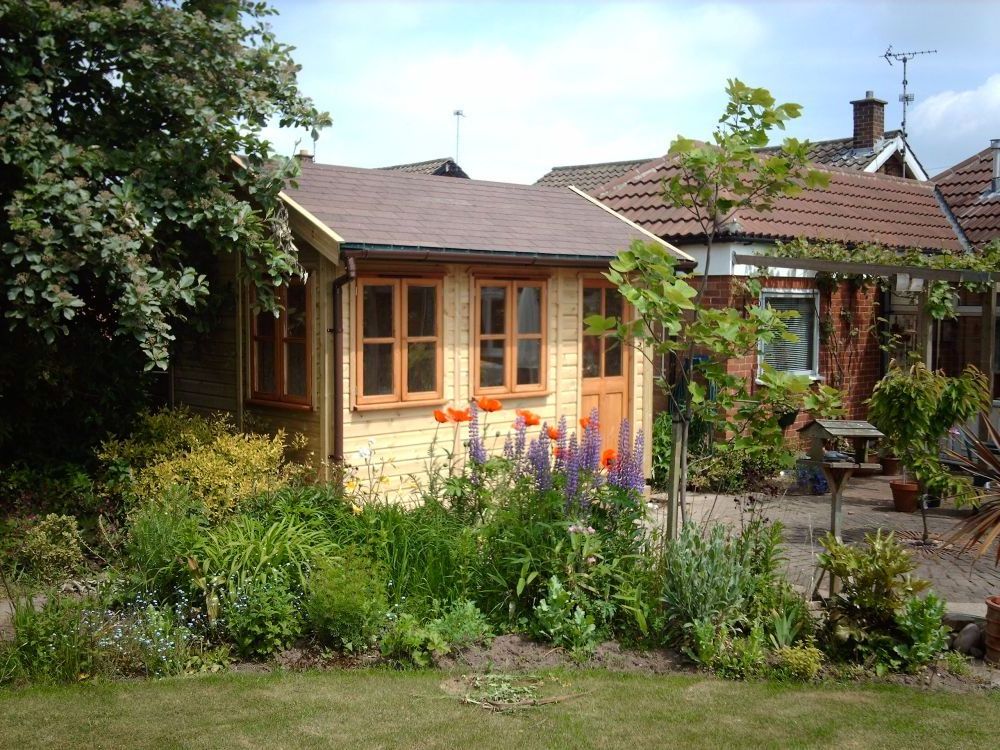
x,y
547,83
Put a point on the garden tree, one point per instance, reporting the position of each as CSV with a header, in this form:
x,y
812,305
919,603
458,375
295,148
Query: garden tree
x,y
713,181
120,121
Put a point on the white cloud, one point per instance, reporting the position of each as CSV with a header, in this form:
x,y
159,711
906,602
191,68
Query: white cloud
x,y
618,83
949,121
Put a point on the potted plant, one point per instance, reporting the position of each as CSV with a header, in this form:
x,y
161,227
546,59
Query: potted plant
x,y
915,407
982,530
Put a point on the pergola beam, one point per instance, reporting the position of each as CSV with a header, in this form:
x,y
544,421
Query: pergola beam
x,y
867,269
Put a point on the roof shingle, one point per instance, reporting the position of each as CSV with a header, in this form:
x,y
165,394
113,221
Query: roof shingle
x,y
966,188
400,210
857,207
443,167
588,177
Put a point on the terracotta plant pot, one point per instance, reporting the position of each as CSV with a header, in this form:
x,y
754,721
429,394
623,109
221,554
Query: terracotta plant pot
x,y
905,495
993,629
890,466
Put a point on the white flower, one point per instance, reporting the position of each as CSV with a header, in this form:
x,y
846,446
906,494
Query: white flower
x,y
364,453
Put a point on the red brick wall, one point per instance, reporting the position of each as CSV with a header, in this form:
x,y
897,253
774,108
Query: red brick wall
x,y
848,361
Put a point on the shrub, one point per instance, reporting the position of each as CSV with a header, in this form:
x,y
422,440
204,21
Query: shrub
x,y
410,643
160,435
62,488
346,602
561,619
261,616
50,549
67,640
51,642
222,474
801,662
462,625
732,470
161,537
245,551
877,618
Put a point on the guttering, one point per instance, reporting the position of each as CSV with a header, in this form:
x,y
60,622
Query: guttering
x,y
350,273
367,251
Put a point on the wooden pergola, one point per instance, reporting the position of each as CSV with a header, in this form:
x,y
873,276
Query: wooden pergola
x,y
903,275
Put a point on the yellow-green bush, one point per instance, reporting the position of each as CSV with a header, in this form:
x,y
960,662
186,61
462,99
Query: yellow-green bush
x,y
163,434
223,473
800,662
51,548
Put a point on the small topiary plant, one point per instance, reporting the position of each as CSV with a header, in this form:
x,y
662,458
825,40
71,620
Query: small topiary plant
x,y
346,602
51,549
799,662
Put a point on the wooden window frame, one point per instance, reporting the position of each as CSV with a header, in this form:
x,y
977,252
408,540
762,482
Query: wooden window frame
x,y
597,282
511,336
278,398
400,340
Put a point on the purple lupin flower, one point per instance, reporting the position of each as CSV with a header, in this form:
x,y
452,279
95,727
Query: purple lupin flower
x,y
538,460
561,444
590,446
477,448
520,435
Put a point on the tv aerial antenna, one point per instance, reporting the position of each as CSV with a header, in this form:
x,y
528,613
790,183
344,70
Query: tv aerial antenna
x,y
458,114
905,57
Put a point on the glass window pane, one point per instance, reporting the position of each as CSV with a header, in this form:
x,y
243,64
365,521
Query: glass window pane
x,y
295,311
529,309
378,367
529,361
591,301
491,363
591,357
264,325
377,311
296,376
421,367
612,357
493,309
421,311
612,304
794,356
265,367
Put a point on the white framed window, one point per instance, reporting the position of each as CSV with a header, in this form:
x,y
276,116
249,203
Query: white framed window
x,y
800,356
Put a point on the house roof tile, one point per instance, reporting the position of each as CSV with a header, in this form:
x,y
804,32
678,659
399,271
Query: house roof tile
x,y
443,167
856,207
966,188
400,210
836,152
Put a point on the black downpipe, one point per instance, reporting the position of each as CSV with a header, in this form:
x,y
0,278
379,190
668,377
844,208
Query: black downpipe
x,y
350,273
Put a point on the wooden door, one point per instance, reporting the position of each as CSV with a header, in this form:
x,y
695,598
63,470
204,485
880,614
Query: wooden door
x,y
604,363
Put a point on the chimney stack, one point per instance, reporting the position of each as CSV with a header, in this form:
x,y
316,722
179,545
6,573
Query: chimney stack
x,y
303,155
995,152
869,120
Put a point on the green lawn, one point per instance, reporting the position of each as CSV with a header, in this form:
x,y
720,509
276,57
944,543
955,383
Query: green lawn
x,y
383,709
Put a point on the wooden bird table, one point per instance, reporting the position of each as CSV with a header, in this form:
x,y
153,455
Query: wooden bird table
x,y
838,472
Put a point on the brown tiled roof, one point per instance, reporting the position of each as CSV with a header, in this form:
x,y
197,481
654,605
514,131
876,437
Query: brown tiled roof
x,y
588,177
395,210
856,207
443,167
966,188
837,152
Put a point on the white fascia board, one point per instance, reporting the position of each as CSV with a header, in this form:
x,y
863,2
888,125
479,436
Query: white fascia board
x,y
896,146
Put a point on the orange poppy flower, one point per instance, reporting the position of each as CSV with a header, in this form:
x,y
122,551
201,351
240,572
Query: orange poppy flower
x,y
459,415
529,417
556,451
489,404
609,457
440,417
585,422
553,433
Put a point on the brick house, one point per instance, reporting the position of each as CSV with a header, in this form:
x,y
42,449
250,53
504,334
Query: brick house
x,y
878,192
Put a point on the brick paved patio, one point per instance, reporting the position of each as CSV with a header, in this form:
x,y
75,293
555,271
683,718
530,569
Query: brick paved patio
x,y
867,507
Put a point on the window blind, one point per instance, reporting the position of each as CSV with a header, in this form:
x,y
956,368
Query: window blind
x,y
797,356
